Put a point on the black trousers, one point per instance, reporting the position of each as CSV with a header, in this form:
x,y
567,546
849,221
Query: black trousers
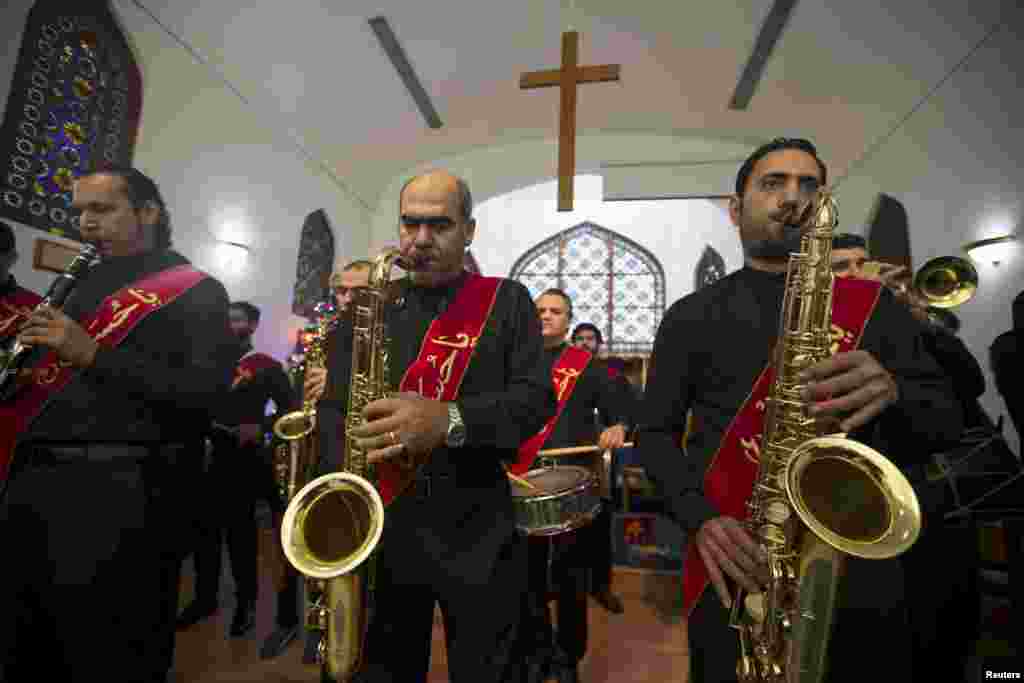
x,y
91,592
943,597
480,622
869,642
238,477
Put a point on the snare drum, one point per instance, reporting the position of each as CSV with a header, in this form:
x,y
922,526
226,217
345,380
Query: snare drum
x,y
567,498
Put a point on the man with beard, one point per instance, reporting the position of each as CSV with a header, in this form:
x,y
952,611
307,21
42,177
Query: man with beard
x,y
711,346
240,473
124,381
466,353
942,631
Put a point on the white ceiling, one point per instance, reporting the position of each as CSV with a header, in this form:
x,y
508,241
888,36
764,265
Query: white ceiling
x,y
844,73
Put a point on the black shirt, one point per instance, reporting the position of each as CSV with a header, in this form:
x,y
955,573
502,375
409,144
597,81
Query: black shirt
x,y
247,402
594,390
1007,361
712,345
506,394
163,382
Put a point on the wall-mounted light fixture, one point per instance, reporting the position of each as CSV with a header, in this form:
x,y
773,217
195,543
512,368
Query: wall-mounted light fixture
x,y
231,256
990,250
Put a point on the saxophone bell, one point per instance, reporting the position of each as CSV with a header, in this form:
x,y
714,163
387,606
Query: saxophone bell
x,y
333,524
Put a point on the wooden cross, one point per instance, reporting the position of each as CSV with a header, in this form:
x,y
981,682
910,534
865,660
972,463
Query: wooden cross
x,y
567,79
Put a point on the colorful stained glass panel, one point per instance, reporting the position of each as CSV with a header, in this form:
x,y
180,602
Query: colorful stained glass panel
x,y
74,107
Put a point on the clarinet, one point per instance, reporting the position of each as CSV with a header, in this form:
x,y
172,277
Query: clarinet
x,y
16,354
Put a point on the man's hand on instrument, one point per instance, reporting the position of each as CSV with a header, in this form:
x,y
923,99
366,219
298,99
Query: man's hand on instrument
x,y
613,437
315,383
250,434
729,550
403,425
852,387
49,327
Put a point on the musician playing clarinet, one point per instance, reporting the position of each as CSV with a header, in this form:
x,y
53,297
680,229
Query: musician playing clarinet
x,y
581,386
123,384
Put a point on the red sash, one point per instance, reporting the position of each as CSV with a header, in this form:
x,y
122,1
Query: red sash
x,y
15,309
564,374
116,317
250,365
445,355
729,479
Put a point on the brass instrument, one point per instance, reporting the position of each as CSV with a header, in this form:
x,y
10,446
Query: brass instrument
x,y
946,281
942,282
333,524
848,498
296,456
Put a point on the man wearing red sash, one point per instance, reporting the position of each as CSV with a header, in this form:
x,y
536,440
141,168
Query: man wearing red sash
x,y
711,348
581,387
16,303
469,355
943,630
240,474
123,385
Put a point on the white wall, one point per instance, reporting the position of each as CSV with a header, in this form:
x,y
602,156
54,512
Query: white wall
x,y
957,166
676,232
226,173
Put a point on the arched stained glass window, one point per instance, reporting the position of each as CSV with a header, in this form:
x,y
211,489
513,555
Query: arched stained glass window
x,y
614,283
74,107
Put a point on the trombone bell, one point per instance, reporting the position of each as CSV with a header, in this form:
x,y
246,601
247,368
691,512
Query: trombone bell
x,y
946,281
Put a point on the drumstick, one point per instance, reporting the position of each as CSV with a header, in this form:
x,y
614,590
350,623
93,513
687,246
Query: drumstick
x,y
520,481
575,450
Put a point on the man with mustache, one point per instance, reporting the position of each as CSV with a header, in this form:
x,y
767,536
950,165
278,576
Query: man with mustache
x,y
710,348
124,382
467,356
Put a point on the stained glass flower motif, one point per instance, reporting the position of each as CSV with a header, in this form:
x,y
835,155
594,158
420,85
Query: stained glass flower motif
x,y
74,107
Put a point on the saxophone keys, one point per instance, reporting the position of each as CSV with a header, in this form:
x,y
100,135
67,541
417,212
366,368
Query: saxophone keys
x,y
777,512
754,604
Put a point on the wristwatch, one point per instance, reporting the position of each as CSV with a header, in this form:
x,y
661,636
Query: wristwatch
x,y
456,436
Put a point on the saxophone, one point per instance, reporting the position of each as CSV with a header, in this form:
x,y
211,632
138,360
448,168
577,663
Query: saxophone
x,y
848,499
297,454
333,524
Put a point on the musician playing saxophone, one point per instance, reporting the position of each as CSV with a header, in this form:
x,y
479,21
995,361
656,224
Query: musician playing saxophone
x,y
131,370
943,631
711,346
582,385
467,356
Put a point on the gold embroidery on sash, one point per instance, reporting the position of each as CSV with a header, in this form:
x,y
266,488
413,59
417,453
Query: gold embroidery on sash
x,y
568,374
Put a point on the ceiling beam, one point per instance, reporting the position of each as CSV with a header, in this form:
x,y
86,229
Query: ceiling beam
x,y
396,54
773,26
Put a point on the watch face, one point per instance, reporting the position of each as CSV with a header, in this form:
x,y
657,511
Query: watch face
x,y
456,435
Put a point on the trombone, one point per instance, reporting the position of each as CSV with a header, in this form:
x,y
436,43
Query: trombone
x,y
942,282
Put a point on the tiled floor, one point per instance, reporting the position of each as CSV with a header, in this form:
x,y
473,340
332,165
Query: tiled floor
x,y
646,644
